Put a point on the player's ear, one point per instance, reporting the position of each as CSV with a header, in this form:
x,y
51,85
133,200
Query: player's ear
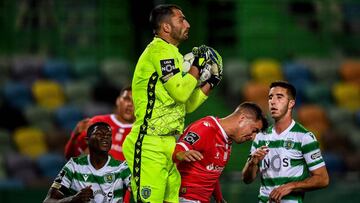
x,y
166,27
291,103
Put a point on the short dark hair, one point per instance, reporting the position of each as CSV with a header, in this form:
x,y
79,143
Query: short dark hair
x,y
125,88
255,109
159,13
289,87
93,126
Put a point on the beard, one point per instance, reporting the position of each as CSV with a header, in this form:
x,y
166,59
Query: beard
x,y
178,34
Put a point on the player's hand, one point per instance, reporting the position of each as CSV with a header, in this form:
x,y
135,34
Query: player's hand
x,y
200,57
214,80
189,156
81,126
259,154
278,193
84,195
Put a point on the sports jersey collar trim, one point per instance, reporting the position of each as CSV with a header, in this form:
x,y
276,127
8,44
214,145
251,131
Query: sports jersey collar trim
x,y
226,137
94,169
119,123
162,40
285,131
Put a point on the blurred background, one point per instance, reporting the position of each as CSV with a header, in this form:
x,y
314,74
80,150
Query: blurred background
x,y
63,60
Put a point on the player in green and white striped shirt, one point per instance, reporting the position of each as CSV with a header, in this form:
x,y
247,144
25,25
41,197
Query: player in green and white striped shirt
x,y
287,156
96,177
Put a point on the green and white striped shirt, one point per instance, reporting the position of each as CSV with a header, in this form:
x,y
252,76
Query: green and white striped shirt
x,y
108,183
292,154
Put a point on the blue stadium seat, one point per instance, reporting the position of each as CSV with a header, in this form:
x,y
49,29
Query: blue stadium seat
x,y
68,116
56,69
17,94
50,164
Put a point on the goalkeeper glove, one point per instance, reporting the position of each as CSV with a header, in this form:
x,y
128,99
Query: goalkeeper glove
x,y
200,57
214,80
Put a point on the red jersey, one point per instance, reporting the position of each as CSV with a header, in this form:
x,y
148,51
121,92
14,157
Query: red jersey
x,y
199,178
119,132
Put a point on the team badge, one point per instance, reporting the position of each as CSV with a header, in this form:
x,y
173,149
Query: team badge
x,y
289,143
146,192
109,178
191,138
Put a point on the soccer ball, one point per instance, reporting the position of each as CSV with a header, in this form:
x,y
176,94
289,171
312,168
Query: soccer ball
x,y
188,60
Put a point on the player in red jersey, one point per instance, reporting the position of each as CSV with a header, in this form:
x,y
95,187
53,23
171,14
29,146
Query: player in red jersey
x,y
120,122
203,150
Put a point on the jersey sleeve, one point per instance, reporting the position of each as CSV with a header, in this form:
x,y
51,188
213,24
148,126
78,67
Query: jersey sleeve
x,y
194,138
63,180
196,99
125,174
311,151
168,67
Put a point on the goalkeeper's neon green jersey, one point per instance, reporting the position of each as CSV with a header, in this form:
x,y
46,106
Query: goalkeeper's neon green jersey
x,y
162,93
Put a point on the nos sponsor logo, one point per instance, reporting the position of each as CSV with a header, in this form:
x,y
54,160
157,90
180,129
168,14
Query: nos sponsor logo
x,y
316,155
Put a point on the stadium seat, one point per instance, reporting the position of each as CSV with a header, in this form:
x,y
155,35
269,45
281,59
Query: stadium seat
x,y
296,71
236,75
21,168
48,94
5,141
258,93
30,141
17,94
68,116
56,69
347,95
322,69
350,71
39,117
314,118
266,70
26,67
50,164
117,72
4,70
95,108
86,68
78,92
318,93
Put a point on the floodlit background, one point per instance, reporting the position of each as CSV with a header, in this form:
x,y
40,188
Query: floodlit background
x,y
63,60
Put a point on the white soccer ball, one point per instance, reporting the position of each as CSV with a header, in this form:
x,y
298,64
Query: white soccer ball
x,y
188,60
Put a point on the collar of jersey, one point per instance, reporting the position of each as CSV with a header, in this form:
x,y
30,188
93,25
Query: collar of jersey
x,y
94,169
119,123
226,137
285,131
161,40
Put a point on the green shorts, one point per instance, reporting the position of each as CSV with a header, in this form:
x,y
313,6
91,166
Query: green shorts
x,y
159,178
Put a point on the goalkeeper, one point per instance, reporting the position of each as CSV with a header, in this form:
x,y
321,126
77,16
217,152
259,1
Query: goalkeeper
x,y
162,95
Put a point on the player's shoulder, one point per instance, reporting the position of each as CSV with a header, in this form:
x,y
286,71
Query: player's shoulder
x,y
298,128
80,160
207,122
101,118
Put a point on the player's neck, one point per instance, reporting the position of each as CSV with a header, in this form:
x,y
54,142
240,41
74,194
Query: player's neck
x,y
98,160
122,120
167,38
282,124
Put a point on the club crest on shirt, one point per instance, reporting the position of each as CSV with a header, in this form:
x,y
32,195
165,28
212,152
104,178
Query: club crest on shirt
x,y
191,138
146,192
109,178
289,143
